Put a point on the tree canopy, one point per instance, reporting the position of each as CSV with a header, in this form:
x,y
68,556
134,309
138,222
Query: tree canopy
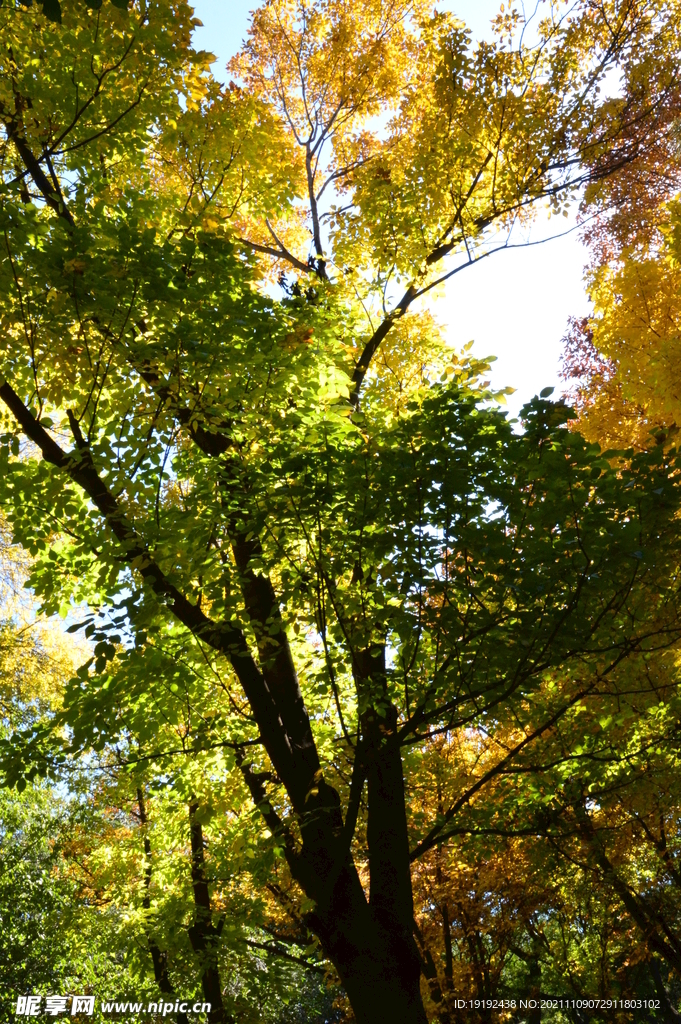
x,y
358,646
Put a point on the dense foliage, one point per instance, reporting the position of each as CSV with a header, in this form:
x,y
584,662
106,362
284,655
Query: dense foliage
x,y
375,707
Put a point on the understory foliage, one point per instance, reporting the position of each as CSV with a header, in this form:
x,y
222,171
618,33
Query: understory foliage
x,y
366,698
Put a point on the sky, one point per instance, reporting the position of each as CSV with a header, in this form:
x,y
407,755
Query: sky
x,y
514,305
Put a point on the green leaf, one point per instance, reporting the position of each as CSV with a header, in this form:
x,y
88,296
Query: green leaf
x,y
52,10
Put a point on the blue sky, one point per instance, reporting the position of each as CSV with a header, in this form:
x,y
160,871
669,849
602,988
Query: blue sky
x,y
516,304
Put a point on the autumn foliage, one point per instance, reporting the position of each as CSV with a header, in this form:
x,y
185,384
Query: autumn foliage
x,y
364,704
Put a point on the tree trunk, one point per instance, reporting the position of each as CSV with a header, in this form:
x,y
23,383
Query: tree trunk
x,y
449,959
368,961
372,945
534,989
669,1013
159,957
203,934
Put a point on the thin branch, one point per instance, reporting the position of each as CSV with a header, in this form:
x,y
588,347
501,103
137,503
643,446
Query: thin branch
x,y
280,254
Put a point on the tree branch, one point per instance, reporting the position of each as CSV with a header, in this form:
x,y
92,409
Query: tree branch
x,y
280,254
222,637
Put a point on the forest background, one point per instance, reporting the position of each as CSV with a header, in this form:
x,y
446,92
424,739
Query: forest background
x,y
330,691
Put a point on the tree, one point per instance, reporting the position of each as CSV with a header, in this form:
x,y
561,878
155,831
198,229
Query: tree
x,y
354,556
99,877
561,872
625,355
621,360
50,943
